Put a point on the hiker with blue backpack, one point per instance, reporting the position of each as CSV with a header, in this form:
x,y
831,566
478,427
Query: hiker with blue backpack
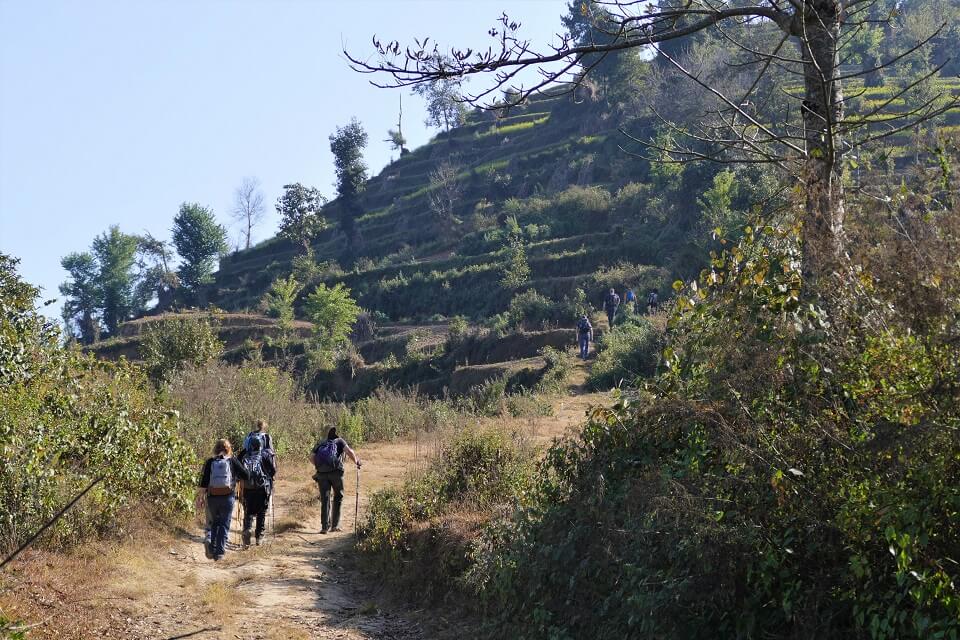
x,y
584,335
327,458
257,489
218,483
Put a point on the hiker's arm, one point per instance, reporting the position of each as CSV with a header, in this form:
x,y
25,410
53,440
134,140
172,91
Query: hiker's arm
x,y
204,483
353,456
239,470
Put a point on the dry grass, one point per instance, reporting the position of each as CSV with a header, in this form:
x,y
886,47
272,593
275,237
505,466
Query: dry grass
x,y
223,600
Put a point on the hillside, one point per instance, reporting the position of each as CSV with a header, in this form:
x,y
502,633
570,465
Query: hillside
x,y
554,172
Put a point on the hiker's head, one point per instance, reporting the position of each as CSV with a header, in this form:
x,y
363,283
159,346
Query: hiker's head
x,y
261,425
222,448
611,290
332,434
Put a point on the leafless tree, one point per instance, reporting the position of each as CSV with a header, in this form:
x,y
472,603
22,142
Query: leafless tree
x,y
809,140
248,207
445,190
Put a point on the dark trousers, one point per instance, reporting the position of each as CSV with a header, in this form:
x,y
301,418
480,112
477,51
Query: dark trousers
x,y
219,512
255,503
610,314
327,481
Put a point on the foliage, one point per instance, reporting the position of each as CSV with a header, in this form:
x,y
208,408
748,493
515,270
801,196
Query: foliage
x,y
283,293
115,254
333,312
347,146
301,220
795,465
626,354
559,365
69,419
516,269
475,469
445,107
199,240
223,401
169,346
83,296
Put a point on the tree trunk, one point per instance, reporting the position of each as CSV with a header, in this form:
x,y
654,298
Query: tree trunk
x,y
818,30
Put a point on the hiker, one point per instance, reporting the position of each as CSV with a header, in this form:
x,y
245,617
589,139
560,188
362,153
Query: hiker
x,y
652,301
584,335
257,489
217,483
327,458
631,299
610,304
266,442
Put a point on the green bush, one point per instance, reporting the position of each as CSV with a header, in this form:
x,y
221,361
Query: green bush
x,y
626,354
793,473
475,470
170,345
69,419
557,371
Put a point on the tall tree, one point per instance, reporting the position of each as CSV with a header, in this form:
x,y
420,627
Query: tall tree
x,y
248,207
83,296
347,145
157,278
199,240
812,149
445,107
395,136
301,218
115,254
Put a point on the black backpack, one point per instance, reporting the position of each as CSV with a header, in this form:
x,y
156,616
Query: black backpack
x,y
253,463
583,326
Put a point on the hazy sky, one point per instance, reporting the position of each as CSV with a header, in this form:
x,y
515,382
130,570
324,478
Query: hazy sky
x,y
116,112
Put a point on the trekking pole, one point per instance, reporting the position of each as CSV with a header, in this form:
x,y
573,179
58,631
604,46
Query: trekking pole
x,y
356,511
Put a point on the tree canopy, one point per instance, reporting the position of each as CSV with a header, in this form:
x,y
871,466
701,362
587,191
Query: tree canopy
x,y
199,240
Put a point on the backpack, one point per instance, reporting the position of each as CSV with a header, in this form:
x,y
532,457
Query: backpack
x,y
252,463
583,326
221,477
255,435
326,456
652,298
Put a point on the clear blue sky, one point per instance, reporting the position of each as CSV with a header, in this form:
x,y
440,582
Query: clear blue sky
x,y
116,112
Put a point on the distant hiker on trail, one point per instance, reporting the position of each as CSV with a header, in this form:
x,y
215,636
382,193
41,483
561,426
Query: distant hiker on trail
x,y
584,335
257,489
218,482
327,458
631,299
610,304
652,302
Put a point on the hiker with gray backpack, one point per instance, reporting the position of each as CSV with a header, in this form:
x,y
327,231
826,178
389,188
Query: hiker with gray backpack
x,y
257,489
327,458
218,482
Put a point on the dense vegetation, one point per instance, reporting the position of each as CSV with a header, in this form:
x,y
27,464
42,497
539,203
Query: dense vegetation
x,y
793,472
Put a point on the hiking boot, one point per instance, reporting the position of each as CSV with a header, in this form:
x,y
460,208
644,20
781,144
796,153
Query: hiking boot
x,y
324,530
208,549
246,539
335,529
259,538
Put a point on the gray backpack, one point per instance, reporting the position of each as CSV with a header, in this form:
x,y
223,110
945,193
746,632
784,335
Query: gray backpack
x,y
221,477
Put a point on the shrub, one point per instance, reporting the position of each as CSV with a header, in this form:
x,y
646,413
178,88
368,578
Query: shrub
x,y
69,419
476,470
280,298
627,353
170,345
224,401
557,371
333,312
489,398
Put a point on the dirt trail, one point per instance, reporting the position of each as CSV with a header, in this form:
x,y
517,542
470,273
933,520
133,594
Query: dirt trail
x,y
299,584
